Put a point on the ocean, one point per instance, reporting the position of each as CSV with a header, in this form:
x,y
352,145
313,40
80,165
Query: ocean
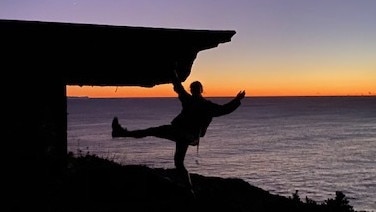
x,y
316,145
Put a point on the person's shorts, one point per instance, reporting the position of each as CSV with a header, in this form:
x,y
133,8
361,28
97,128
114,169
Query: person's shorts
x,y
176,134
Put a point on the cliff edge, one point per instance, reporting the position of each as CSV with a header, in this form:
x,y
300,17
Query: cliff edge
x,y
97,184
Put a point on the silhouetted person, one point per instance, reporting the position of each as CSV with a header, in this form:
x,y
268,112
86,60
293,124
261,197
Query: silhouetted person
x,y
186,128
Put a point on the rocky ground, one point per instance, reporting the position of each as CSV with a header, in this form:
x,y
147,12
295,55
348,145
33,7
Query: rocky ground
x,y
95,184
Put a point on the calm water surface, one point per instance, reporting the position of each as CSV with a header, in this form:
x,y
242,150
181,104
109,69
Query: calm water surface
x,y
317,145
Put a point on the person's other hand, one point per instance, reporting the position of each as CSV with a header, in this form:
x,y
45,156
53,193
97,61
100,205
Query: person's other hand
x,y
240,95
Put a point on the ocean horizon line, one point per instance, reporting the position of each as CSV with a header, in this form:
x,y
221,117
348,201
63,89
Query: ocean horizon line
x,y
160,97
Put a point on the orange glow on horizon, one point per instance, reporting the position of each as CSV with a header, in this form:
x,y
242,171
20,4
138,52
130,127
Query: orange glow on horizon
x,y
322,89
222,83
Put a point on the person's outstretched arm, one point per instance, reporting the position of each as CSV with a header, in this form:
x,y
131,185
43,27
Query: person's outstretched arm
x,y
229,107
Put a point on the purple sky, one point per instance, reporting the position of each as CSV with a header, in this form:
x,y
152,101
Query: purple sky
x,y
275,38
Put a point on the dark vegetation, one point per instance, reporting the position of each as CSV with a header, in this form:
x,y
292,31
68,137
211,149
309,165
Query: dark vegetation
x,y
96,184
103,185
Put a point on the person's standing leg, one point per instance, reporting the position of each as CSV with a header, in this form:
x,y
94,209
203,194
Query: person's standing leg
x,y
180,152
182,172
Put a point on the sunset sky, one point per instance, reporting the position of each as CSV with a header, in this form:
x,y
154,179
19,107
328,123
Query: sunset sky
x,y
281,47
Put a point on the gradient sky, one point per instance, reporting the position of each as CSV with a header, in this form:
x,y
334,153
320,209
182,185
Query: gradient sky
x,y
282,47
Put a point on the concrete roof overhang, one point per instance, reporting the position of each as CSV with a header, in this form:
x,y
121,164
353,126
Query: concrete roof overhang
x,y
106,55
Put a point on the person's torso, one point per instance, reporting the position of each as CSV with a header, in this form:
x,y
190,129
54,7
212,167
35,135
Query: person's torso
x,y
195,115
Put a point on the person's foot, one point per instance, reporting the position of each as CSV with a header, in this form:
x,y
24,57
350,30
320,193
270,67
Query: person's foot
x,y
117,130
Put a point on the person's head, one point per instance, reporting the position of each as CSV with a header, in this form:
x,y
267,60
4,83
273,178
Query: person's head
x,y
196,88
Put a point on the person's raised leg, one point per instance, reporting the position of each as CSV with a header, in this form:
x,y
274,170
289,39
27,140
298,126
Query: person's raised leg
x,y
164,131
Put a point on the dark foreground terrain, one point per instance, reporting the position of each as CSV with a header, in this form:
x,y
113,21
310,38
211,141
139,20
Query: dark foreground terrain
x,y
95,184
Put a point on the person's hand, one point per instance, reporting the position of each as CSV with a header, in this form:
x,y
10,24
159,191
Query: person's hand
x,y
175,74
240,95
175,77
